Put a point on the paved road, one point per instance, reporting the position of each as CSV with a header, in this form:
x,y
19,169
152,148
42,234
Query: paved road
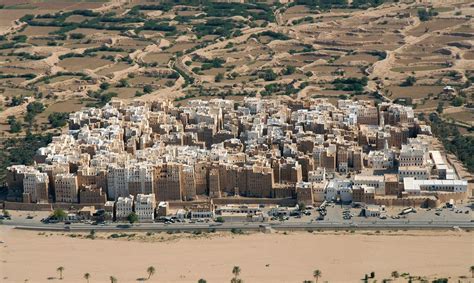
x,y
383,225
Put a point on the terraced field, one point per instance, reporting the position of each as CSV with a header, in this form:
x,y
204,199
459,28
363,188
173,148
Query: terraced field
x,y
90,52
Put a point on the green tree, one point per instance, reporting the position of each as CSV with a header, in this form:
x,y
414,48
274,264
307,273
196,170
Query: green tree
x,y
15,126
35,107
113,279
411,80
268,75
219,77
317,274
220,219
151,271
123,83
395,274
132,218
87,276
472,270
58,119
202,281
236,271
301,206
59,214
440,107
60,270
289,70
148,89
104,86
457,101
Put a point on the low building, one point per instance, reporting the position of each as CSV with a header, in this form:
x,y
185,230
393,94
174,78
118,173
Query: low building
x,y
417,187
373,211
200,211
416,172
375,181
162,209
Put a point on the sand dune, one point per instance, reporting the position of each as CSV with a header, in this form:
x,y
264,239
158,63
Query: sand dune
x,y
290,258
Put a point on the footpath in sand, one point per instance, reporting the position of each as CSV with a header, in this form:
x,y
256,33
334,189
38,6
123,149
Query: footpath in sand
x,y
342,257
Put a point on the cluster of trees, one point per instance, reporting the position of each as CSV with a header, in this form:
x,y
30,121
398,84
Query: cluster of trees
x,y
272,34
255,11
306,48
58,119
460,145
26,76
15,101
280,89
29,56
350,84
15,125
268,75
95,20
33,109
222,27
426,14
21,150
102,98
410,81
151,270
329,4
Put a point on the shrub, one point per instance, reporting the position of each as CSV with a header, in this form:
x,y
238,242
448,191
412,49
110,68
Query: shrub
x,y
58,119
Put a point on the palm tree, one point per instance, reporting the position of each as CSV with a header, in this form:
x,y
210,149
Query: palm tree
x,y
236,271
60,270
236,280
472,270
202,281
317,274
113,279
395,274
151,270
87,276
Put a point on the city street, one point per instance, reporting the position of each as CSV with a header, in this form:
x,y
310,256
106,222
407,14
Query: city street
x,y
422,219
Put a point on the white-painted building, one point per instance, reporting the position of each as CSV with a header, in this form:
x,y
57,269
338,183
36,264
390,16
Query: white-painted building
x,y
145,207
413,154
318,175
416,172
123,207
338,189
375,181
416,187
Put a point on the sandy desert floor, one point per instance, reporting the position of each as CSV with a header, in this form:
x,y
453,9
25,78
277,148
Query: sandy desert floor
x,y
342,257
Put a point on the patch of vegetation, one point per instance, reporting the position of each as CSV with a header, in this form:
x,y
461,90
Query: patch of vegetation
x,y
272,34
350,84
268,75
410,81
460,145
15,126
58,119
426,14
279,89
21,150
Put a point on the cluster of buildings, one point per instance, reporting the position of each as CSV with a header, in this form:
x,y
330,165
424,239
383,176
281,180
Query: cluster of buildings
x,y
143,153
